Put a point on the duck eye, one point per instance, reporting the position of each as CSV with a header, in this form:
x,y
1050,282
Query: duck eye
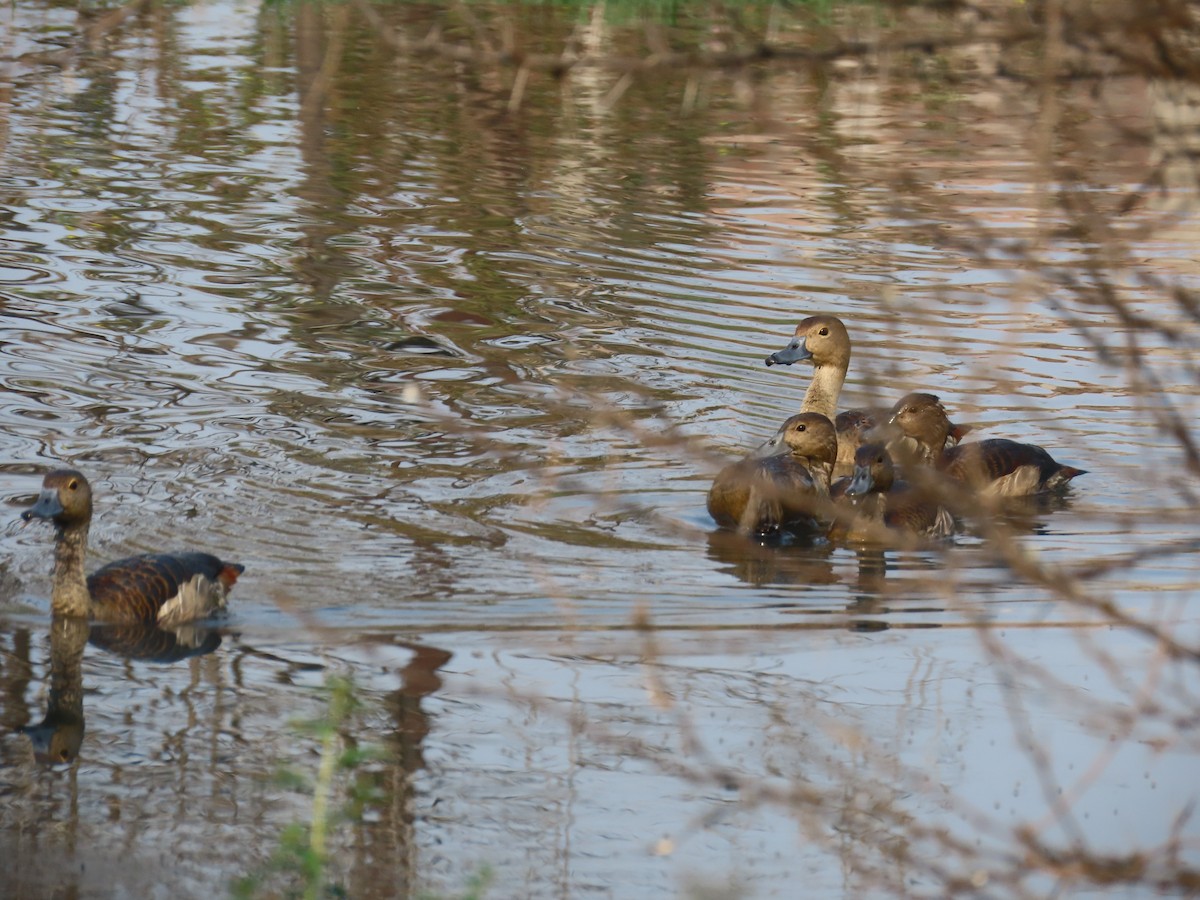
x,y
823,331
72,485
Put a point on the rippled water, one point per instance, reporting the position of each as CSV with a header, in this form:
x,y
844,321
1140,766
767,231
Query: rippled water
x,y
452,383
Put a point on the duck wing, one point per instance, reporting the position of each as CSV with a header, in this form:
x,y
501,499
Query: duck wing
x,y
764,495
167,588
1007,467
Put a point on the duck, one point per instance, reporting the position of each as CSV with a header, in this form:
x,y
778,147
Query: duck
x,y
996,467
784,484
824,341
873,498
166,589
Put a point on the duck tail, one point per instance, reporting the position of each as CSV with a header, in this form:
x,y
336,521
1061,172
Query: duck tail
x,y
229,573
958,432
1062,478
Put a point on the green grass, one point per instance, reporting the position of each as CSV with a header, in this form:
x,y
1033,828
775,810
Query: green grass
x,y
302,855
299,864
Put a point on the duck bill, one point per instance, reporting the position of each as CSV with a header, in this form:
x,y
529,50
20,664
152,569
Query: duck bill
x,y
861,483
46,507
794,352
773,446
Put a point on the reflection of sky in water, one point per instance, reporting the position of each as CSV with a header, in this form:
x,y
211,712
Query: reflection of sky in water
x,y
371,370
535,739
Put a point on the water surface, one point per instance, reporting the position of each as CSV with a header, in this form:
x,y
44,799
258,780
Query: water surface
x,y
452,382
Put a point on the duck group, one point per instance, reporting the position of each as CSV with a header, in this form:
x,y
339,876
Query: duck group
x,y
883,453
788,484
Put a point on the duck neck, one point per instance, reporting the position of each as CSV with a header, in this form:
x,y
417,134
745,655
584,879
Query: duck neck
x,y
70,595
824,390
872,507
823,472
933,439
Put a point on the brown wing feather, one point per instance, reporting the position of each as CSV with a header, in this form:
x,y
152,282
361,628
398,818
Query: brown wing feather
x,y
986,461
909,510
756,495
135,589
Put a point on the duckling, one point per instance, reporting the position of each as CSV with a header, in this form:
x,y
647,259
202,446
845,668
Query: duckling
x,y
996,467
878,498
164,588
782,485
824,341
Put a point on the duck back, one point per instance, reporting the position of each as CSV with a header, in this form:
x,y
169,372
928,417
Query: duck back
x,y
167,588
909,510
764,495
1007,468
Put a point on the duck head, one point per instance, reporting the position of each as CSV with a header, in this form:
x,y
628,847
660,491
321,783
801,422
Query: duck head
x,y
809,436
822,340
873,471
65,499
923,418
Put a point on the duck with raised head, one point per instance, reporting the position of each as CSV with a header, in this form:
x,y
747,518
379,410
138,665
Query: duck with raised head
x,y
785,484
874,497
164,588
823,341
996,467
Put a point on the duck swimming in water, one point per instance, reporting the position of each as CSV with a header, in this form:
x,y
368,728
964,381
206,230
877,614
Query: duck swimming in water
x,y
164,588
996,467
784,485
823,341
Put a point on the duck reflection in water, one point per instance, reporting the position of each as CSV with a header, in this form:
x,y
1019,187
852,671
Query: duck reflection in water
x,y
766,563
783,558
58,737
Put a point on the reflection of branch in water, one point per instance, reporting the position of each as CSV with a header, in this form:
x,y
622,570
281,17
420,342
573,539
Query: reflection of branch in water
x,y
420,678
756,48
58,737
386,842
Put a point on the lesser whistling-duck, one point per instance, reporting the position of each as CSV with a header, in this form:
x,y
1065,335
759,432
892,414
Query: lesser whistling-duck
x,y
165,588
823,341
995,467
785,484
873,499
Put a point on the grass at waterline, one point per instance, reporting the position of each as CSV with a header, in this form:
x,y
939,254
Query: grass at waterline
x,y
302,857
